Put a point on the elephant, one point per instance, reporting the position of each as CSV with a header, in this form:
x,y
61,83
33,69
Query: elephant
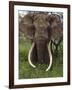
x,y
40,29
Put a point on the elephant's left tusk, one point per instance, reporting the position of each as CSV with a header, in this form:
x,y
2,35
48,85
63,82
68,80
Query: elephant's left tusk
x,y
50,55
29,58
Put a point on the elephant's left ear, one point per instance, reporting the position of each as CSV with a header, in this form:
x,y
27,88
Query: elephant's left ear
x,y
26,26
56,26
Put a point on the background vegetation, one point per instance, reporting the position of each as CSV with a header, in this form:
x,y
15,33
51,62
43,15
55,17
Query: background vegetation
x,y
26,71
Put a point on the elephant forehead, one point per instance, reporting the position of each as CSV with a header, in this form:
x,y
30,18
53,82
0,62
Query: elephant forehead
x,y
40,20
41,24
41,16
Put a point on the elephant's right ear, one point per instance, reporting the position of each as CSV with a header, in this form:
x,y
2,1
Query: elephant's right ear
x,y
26,26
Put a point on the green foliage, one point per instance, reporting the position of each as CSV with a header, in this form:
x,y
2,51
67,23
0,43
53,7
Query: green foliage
x,y
26,71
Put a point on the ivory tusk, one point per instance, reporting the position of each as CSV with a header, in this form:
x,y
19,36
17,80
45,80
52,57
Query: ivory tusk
x,y
29,58
50,55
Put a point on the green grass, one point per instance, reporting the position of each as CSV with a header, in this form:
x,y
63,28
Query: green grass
x,y
26,71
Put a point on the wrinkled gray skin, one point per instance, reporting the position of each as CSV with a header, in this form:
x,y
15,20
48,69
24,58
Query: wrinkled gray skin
x,y
57,31
41,28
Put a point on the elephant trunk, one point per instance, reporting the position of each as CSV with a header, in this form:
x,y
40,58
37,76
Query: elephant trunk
x,y
41,51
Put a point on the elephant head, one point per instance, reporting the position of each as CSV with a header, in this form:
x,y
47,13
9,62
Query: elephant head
x,y
38,28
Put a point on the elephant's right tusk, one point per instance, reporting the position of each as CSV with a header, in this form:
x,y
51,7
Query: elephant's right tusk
x,y
29,58
50,55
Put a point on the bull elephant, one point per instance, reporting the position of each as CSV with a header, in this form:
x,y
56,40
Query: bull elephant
x,y
40,29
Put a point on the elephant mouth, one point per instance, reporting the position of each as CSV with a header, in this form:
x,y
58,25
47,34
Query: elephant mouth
x,y
50,56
